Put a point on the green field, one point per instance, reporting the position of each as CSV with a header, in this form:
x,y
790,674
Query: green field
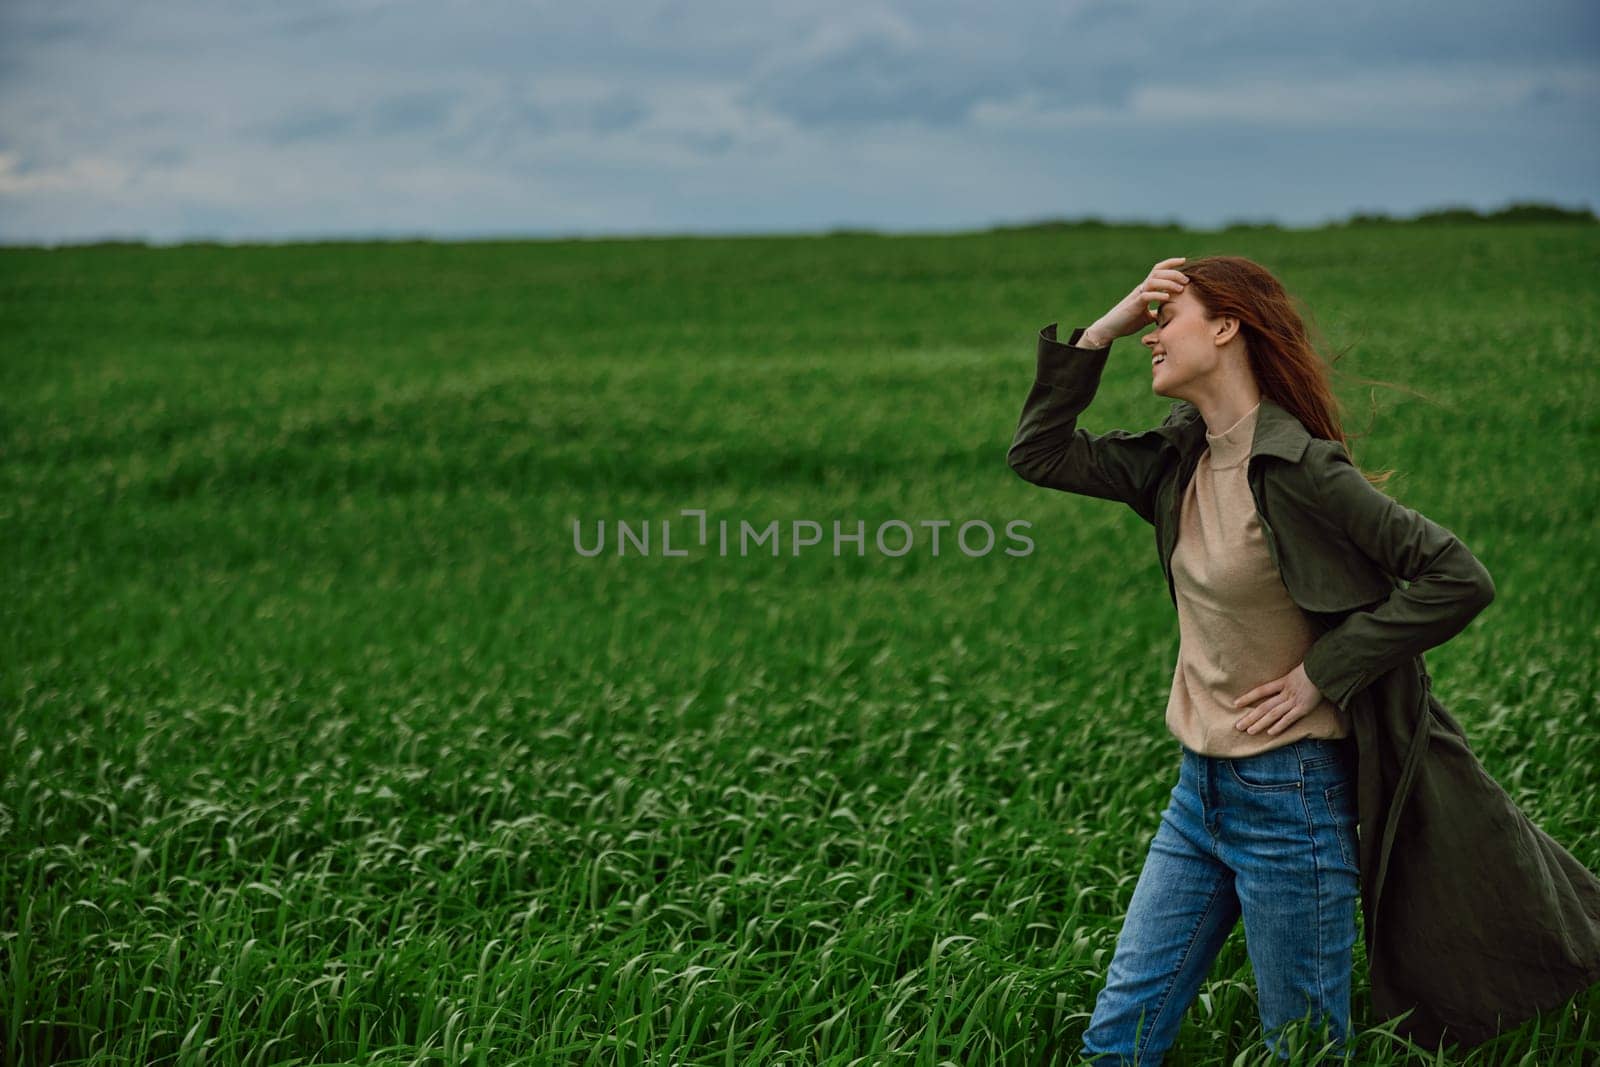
x,y
324,744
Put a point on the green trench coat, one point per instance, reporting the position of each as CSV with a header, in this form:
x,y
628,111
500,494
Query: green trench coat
x,y
1474,919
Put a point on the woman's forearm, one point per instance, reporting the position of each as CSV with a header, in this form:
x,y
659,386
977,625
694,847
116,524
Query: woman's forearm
x,y
1095,337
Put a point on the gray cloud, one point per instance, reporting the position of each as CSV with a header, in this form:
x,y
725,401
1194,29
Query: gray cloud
x,y
616,111
301,126
873,80
47,29
538,116
167,156
878,66
454,119
413,112
307,23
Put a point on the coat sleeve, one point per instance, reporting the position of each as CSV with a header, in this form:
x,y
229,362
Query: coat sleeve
x,y
1448,586
1050,450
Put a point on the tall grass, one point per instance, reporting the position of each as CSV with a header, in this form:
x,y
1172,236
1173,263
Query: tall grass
x,y
324,745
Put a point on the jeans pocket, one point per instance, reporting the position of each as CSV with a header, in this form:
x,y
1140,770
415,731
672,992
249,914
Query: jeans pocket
x,y
1343,815
1328,756
1275,770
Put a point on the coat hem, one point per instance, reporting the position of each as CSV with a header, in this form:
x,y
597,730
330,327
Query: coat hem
x,y
1467,1037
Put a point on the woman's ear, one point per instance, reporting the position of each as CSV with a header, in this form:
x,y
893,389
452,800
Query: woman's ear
x,y
1228,330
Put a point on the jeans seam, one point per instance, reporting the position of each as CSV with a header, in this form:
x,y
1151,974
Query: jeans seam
x,y
1338,828
1316,871
1172,979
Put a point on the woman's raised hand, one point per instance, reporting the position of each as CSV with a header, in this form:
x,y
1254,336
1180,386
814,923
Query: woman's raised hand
x,y
1133,312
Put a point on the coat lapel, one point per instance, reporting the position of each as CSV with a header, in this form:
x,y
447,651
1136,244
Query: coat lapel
x,y
1278,433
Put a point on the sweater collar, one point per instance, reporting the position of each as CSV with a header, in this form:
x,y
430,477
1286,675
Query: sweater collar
x,y
1231,447
1278,432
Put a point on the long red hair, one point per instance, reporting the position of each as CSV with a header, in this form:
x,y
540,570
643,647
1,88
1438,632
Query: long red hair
x,y
1287,367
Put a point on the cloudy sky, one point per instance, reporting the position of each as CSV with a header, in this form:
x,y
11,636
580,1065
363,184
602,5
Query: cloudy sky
x,y
174,119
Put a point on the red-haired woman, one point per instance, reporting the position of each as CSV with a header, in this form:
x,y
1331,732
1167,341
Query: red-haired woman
x,y
1299,698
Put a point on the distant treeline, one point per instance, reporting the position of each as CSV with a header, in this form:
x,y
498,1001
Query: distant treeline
x,y
1528,211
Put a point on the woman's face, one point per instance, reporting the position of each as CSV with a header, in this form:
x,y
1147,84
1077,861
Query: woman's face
x,y
1182,346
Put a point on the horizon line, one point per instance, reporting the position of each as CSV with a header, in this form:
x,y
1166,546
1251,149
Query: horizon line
x,y
1514,212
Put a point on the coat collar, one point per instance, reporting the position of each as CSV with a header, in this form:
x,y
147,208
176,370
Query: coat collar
x,y
1278,433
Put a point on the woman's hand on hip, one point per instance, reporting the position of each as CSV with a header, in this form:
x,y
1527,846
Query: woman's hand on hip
x,y
1283,701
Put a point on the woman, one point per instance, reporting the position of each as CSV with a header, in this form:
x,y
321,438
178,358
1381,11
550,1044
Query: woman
x,y
1299,698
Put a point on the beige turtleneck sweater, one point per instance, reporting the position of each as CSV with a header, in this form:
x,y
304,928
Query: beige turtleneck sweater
x,y
1237,625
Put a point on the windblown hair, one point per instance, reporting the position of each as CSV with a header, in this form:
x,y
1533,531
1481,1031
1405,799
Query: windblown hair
x,y
1287,367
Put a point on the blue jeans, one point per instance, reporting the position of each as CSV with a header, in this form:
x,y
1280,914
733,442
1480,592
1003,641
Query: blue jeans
x,y
1272,837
